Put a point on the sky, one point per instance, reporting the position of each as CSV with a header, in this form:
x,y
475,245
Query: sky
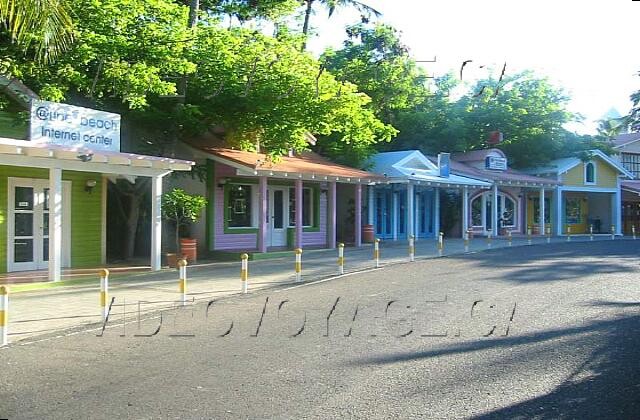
x,y
584,46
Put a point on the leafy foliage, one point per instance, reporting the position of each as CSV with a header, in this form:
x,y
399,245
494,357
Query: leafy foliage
x,y
182,209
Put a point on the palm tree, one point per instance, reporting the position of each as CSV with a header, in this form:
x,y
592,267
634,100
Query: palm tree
x,y
45,25
332,5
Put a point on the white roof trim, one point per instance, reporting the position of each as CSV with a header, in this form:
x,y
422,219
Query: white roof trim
x,y
575,162
400,165
25,153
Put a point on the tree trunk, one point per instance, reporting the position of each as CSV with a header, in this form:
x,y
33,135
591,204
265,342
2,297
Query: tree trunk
x,y
305,26
132,226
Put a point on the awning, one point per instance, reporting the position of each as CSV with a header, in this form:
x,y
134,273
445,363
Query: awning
x,y
25,153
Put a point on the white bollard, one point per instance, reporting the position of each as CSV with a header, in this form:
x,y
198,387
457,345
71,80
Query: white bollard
x,y
4,315
528,235
412,248
440,243
244,273
509,237
466,242
613,232
591,232
182,285
568,233
633,231
340,258
488,238
376,252
548,229
104,293
298,252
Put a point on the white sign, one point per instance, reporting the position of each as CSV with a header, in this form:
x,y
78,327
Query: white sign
x,y
74,126
496,163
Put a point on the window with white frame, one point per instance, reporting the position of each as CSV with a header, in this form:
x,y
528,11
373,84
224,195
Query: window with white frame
x,y
631,161
307,207
589,173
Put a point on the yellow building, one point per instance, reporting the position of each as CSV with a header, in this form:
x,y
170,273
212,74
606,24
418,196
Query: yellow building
x,y
587,198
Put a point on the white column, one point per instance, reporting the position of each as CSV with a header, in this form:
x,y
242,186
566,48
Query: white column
x,y
371,205
542,210
436,213
558,218
55,223
262,214
494,211
394,215
331,225
298,215
465,210
410,210
103,216
616,205
156,222
358,215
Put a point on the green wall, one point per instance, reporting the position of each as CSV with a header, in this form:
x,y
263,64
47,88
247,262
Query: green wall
x,y
86,214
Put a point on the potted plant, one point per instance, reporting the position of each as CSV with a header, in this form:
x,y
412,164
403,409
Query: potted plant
x,y
182,209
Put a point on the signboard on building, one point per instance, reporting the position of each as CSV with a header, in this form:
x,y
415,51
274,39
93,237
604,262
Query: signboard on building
x,y
496,163
444,164
69,125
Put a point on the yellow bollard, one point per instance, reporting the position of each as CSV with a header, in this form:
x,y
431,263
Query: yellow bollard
x,y
376,252
4,315
412,248
568,233
613,232
341,258
244,273
104,293
182,266
591,232
440,243
298,252
528,235
548,229
633,231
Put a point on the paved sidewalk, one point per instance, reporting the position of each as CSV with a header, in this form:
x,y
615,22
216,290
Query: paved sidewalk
x,y
44,312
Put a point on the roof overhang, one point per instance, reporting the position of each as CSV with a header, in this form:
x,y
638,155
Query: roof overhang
x,y
25,153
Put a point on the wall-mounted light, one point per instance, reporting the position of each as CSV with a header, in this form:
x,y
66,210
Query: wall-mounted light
x,y
85,157
90,185
221,182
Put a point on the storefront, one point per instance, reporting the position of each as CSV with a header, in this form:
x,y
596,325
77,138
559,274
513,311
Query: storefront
x,y
588,195
408,201
256,204
513,201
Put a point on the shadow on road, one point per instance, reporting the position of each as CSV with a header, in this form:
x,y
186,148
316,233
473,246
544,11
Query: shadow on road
x,y
605,385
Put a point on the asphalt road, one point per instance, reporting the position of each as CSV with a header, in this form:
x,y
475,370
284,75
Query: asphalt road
x,y
531,332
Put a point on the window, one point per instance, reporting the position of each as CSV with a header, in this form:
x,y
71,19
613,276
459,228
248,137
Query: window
x,y
239,206
590,173
631,162
536,210
508,211
476,211
573,211
307,207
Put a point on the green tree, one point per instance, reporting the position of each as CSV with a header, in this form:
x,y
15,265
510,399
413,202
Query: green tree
x,y
42,25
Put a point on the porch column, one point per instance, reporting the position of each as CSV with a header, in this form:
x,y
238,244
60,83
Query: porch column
x,y
465,210
55,223
410,211
371,199
616,207
156,222
299,204
542,210
436,213
394,215
262,214
358,209
558,218
331,225
494,211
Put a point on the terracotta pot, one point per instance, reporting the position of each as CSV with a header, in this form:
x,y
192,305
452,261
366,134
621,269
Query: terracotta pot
x,y
172,260
189,249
